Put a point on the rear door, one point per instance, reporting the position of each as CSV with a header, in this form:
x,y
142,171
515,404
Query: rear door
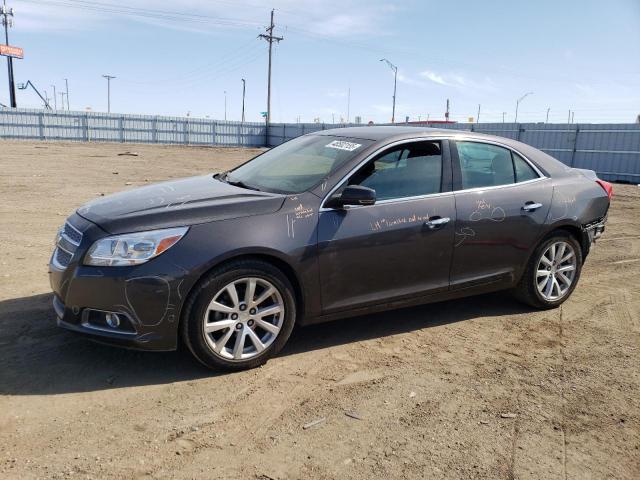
x,y
502,202
388,251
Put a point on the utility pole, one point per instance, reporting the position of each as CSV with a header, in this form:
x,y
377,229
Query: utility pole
x,y
446,114
503,114
66,82
348,103
547,120
518,103
62,99
109,78
569,117
572,114
55,100
270,38
478,118
244,89
8,22
395,82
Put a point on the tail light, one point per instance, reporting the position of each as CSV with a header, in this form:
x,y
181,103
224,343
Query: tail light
x,y
607,187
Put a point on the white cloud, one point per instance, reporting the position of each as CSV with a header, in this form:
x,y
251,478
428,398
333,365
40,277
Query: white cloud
x,y
434,77
461,82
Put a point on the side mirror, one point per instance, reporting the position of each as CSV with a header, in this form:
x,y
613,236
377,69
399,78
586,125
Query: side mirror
x,y
353,195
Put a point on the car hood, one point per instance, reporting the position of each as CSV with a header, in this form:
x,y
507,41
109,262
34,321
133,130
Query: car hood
x,y
177,203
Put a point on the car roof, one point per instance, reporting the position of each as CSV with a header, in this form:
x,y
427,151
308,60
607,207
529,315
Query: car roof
x,y
390,133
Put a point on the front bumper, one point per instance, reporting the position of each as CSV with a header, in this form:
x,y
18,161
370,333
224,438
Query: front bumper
x,y
147,297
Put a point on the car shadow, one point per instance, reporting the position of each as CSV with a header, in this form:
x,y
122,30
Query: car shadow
x,y
38,358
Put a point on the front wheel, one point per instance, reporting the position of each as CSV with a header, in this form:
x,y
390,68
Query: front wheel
x,y
552,272
240,315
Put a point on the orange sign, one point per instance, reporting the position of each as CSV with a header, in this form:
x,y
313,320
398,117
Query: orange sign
x,y
10,51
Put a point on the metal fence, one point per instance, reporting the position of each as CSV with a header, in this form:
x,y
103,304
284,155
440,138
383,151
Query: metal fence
x,y
108,127
612,150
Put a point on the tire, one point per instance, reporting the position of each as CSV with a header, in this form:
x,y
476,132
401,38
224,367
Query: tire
x,y
215,321
528,290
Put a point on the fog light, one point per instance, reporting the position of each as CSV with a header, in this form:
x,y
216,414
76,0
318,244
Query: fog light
x,y
112,320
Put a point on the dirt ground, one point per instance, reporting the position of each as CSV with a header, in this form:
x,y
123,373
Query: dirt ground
x,y
474,388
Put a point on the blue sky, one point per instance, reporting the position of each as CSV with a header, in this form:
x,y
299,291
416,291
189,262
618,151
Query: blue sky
x,y
582,55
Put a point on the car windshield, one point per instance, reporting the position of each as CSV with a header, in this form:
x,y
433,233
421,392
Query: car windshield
x,y
298,165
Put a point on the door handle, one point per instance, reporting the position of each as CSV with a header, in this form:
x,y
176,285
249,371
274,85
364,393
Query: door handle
x,y
436,222
531,207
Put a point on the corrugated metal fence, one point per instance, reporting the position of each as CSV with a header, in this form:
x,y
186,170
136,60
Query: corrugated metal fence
x,y
109,127
612,150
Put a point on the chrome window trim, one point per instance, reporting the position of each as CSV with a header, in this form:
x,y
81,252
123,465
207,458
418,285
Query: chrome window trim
x,y
510,148
495,187
369,157
461,138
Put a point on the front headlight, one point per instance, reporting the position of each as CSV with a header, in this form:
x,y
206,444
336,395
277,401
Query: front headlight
x,y
132,248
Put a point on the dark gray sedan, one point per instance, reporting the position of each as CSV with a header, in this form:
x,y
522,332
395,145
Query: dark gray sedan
x,y
333,224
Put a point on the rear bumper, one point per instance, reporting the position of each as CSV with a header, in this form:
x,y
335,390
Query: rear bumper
x,y
595,230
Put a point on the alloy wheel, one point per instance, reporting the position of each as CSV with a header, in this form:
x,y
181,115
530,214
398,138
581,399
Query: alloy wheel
x,y
556,271
243,319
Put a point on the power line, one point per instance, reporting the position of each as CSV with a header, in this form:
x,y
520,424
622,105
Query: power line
x,y
223,64
146,12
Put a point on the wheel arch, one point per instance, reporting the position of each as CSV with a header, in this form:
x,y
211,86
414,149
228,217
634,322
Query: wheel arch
x,y
267,256
576,231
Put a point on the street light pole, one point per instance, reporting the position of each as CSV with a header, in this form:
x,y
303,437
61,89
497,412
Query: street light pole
x,y
55,100
244,89
547,120
518,103
66,82
395,82
109,78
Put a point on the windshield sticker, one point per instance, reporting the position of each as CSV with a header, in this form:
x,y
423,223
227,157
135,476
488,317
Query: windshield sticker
x,y
340,145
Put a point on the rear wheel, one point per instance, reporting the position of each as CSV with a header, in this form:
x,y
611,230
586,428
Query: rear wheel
x,y
240,315
552,272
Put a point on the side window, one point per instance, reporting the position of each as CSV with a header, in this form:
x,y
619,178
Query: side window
x,y
484,165
407,170
524,171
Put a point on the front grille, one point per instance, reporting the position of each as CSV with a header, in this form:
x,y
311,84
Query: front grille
x,y
72,234
63,258
69,239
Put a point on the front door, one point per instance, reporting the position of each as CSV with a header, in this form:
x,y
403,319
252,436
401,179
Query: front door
x,y
402,245
502,203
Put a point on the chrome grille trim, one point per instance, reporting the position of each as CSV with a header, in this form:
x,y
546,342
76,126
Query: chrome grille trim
x,y
69,239
71,234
